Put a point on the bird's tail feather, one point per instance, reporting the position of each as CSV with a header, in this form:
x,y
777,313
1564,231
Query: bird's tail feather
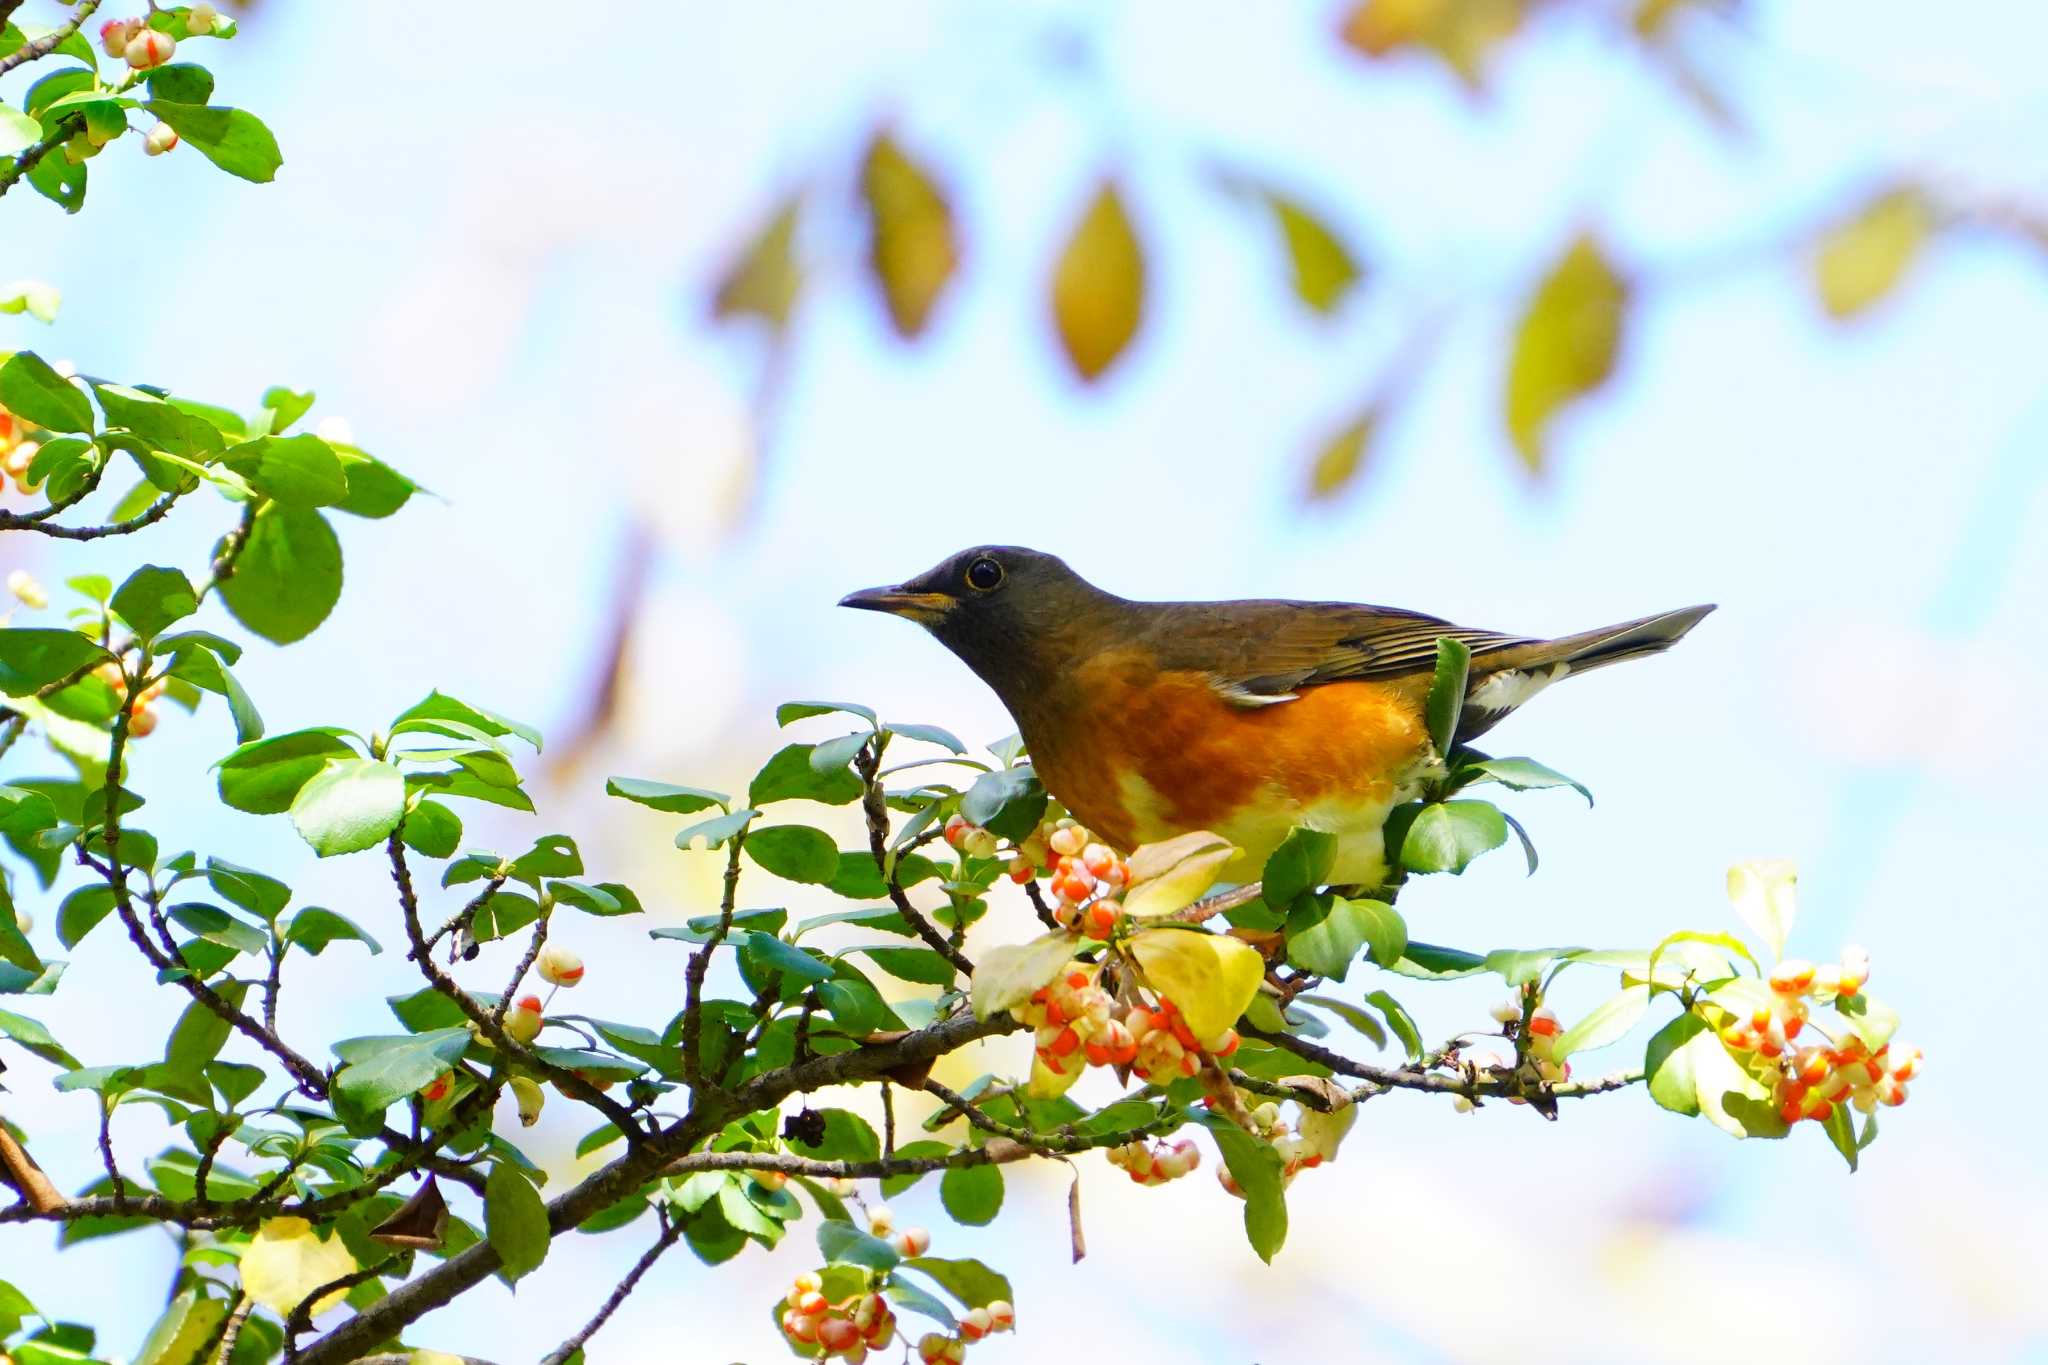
x,y
1629,640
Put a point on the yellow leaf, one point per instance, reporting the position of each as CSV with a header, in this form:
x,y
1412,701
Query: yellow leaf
x,y
286,1261
1765,894
422,1356
1466,33
1379,27
1864,259
1047,1084
1342,456
1149,861
1180,885
912,247
1210,977
1006,976
766,278
1323,267
1565,346
1098,285
1735,1101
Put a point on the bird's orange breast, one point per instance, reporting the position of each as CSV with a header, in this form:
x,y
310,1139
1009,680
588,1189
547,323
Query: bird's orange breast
x,y
1139,753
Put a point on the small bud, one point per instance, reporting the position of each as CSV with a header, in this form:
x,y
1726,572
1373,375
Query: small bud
x,y
114,36
149,48
976,1323
523,1021
912,1242
558,966
159,140
527,1094
438,1088
841,1185
1793,976
881,1220
771,1180
200,19
1002,1317
26,590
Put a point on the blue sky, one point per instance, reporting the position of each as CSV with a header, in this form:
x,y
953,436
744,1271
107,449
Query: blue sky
x,y
497,274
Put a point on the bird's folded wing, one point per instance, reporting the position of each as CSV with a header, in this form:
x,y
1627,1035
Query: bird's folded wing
x,y
1260,652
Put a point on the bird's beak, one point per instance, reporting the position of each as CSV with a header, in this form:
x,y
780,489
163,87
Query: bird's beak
x,y
924,607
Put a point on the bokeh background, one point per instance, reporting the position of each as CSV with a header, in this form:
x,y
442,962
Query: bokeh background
x,y
493,250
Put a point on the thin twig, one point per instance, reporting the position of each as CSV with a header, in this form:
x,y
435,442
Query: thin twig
x,y
233,1331
45,45
670,1232
700,966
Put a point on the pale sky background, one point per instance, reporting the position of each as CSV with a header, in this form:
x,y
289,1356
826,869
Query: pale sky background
x,y
497,271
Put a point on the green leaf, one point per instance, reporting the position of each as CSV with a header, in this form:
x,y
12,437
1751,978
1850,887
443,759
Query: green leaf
x,y
1326,945
921,965
795,852
791,711
1520,774
31,1035
515,1221
31,658
845,1244
204,667
1447,692
966,1279
1400,1021
859,879
601,898
313,928
288,577
299,471
847,1138
1299,865
910,1297
232,139
63,184
663,797
285,406
350,806
381,1070
251,890
159,424
768,955
1668,1061
1321,267
152,598
930,734
218,926
31,389
716,830
1604,1024
1009,802
181,83
82,910
1257,1169
1360,1019
1565,346
1841,1130
18,132
200,1034
1447,835
375,489
432,830
972,1194
441,706
789,776
1520,966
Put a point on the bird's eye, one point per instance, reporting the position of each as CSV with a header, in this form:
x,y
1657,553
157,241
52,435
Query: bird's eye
x,y
984,575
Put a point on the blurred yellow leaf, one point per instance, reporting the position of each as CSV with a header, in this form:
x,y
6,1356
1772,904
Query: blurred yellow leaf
x,y
1462,32
1862,260
912,246
765,280
1565,345
1210,977
1180,885
285,1261
1006,976
1341,457
1047,1084
1098,286
1323,267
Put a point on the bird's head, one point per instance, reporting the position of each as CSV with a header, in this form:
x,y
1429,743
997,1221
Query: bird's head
x,y
1011,614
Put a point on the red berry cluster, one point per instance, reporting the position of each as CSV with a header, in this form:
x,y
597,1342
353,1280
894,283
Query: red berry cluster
x,y
1077,1024
847,1329
17,451
1156,1163
1810,1081
936,1348
1087,875
142,715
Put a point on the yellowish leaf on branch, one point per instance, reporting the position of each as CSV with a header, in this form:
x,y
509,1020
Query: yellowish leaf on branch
x,y
913,245
1209,976
286,1261
1006,976
1765,894
1098,285
1862,260
1463,33
1341,456
766,279
1176,874
1565,346
1323,1131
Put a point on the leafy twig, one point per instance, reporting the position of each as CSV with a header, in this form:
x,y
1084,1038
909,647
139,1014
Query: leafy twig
x,y
670,1232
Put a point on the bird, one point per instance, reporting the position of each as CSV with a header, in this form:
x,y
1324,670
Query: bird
x,y
1245,719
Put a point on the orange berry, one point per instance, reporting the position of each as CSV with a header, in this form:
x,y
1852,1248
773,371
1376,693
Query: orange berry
x,y
438,1088
160,139
558,966
1793,976
141,722
837,1334
149,48
1542,1026
811,1304
1902,1061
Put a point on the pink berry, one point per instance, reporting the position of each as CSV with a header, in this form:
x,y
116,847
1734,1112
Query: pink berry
x,y
558,966
114,35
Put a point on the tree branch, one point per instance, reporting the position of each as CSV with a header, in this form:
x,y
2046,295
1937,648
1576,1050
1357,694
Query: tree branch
x,y
670,1232
45,45
875,807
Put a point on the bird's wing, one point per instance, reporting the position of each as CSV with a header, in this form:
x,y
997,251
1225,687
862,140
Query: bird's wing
x,y
1257,653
